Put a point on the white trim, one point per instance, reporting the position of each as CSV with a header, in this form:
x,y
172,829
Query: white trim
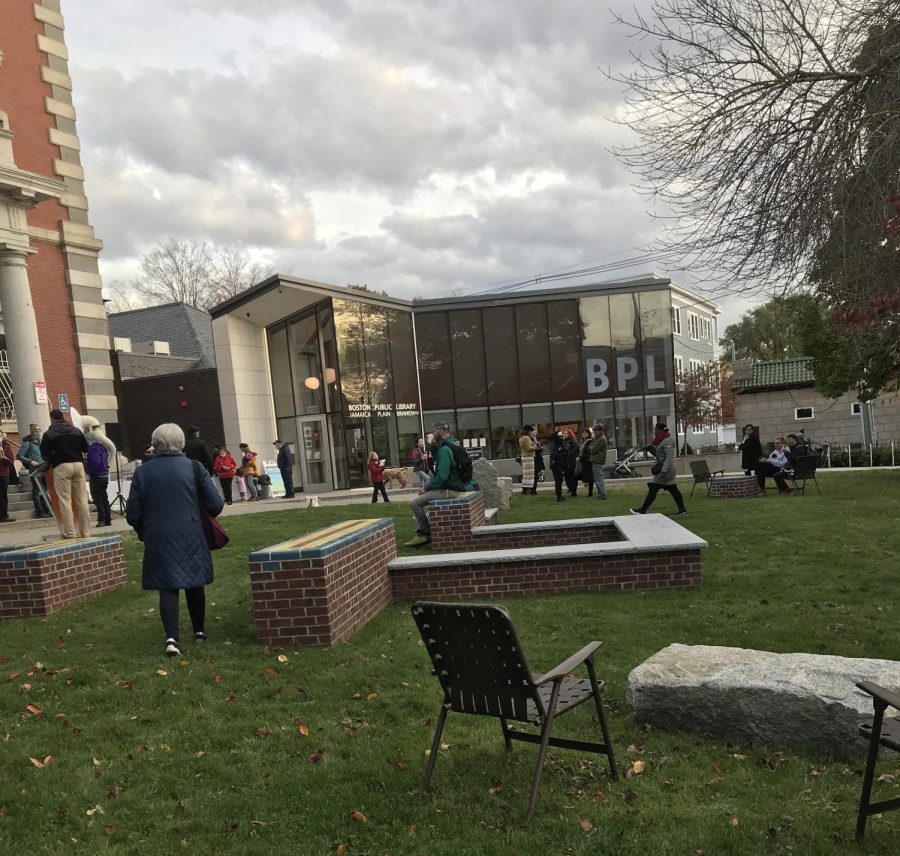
x,y
676,320
812,414
856,408
693,325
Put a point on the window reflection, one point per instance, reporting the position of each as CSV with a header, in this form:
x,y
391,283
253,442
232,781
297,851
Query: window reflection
x,y
280,367
467,346
506,423
656,341
534,357
435,370
565,350
500,356
348,325
305,366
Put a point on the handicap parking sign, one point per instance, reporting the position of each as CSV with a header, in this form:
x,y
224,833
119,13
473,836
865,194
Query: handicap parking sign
x,y
63,400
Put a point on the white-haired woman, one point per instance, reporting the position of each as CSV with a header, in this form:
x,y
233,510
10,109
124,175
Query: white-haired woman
x,y
164,509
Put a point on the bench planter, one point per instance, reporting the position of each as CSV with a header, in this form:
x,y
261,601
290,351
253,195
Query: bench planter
x,y
40,579
321,588
734,487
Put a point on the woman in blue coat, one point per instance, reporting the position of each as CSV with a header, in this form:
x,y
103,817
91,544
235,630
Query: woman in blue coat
x,y
163,509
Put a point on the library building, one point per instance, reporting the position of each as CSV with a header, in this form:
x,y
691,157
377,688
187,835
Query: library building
x,y
340,372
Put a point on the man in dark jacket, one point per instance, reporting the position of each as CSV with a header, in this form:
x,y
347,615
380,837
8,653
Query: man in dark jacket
x,y
796,448
198,450
31,458
285,463
64,447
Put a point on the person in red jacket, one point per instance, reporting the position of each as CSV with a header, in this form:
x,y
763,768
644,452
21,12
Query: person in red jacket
x,y
224,467
376,471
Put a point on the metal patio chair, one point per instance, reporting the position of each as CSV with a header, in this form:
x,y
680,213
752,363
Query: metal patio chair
x,y
482,669
881,731
702,475
804,470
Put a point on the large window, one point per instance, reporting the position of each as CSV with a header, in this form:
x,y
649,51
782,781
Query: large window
x,y
500,355
467,343
348,324
378,360
565,350
435,370
280,367
329,348
506,424
306,366
597,347
472,428
403,361
625,324
656,341
534,356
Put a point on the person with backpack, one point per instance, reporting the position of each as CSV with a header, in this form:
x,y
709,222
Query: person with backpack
x,y
453,474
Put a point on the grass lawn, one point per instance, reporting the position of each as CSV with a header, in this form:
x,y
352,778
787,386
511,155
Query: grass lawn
x,y
239,749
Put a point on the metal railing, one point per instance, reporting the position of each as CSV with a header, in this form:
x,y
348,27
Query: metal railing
x,y
7,405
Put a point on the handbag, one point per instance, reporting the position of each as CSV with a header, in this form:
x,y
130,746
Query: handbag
x,y
656,469
216,537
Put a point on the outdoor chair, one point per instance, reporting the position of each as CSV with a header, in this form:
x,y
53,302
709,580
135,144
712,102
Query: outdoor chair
x,y
482,669
702,475
880,731
803,470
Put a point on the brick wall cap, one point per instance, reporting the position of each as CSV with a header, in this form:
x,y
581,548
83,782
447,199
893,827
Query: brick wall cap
x,y
651,532
322,542
466,498
58,547
543,525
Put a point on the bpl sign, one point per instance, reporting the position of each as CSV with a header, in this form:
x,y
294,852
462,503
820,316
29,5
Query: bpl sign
x,y
621,375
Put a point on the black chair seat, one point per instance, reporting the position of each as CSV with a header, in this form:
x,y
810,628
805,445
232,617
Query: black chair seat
x,y
572,692
890,732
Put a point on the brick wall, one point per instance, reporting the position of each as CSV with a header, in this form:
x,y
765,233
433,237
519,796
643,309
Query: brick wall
x,y
322,596
500,538
734,487
452,522
623,572
36,581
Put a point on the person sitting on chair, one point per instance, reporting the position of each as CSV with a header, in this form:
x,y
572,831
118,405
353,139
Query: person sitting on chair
x,y
776,462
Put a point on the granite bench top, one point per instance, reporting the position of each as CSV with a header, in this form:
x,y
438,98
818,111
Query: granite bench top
x,y
648,533
59,547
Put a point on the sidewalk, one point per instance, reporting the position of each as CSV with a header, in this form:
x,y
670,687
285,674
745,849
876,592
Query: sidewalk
x,y
28,530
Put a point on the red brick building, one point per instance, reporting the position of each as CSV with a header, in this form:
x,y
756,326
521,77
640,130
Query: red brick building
x,y
46,239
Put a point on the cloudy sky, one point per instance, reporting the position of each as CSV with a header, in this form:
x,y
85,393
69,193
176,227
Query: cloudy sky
x,y
424,147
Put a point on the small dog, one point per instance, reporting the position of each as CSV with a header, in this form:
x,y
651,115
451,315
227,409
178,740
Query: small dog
x,y
395,475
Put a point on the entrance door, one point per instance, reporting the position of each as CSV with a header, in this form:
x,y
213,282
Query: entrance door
x,y
313,455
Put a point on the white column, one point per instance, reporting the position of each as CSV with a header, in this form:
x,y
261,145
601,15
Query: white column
x,y
22,344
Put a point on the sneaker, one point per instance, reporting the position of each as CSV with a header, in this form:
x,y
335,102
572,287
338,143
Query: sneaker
x,y
635,511
7,519
172,648
762,493
680,513
200,636
418,541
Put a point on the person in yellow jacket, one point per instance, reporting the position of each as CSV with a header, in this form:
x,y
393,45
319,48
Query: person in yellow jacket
x,y
250,471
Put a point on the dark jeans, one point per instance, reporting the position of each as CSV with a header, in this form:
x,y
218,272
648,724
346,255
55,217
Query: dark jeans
x,y
288,478
559,475
4,496
40,505
98,485
226,488
766,468
653,489
572,481
379,486
168,609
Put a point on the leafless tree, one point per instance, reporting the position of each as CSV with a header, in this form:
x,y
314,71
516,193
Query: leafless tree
x,y
122,298
750,116
195,273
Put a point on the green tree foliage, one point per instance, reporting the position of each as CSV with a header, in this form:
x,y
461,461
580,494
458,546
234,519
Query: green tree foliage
x,y
773,331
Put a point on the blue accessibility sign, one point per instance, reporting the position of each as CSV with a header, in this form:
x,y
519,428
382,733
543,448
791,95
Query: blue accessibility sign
x,y
63,400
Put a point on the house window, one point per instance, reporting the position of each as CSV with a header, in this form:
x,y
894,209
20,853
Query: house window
x,y
676,320
679,367
804,413
694,367
693,326
855,408
707,330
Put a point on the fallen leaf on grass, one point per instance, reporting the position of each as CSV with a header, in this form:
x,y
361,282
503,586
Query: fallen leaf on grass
x,y
341,849
161,672
200,754
733,821
184,662
303,729
497,786
886,777
315,757
12,676
60,641
282,658
97,809
445,746
371,696
229,699
355,697
34,710
109,829
2,809
95,762
586,825
257,823
400,765
263,732
165,747
638,767
217,679
25,688
358,817
47,759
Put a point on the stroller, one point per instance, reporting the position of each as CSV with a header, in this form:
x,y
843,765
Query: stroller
x,y
621,468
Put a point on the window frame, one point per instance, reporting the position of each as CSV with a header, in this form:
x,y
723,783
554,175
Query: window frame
x,y
856,408
676,320
798,418
693,326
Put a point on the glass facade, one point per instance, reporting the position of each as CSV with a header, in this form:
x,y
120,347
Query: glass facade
x,y
358,367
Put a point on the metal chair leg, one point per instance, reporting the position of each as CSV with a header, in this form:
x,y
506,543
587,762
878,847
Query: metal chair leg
x,y
542,752
872,757
506,739
435,746
692,490
598,701
816,483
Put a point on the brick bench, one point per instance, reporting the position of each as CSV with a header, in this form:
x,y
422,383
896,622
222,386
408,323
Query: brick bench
x,y
321,588
760,697
650,552
40,579
734,487
453,520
